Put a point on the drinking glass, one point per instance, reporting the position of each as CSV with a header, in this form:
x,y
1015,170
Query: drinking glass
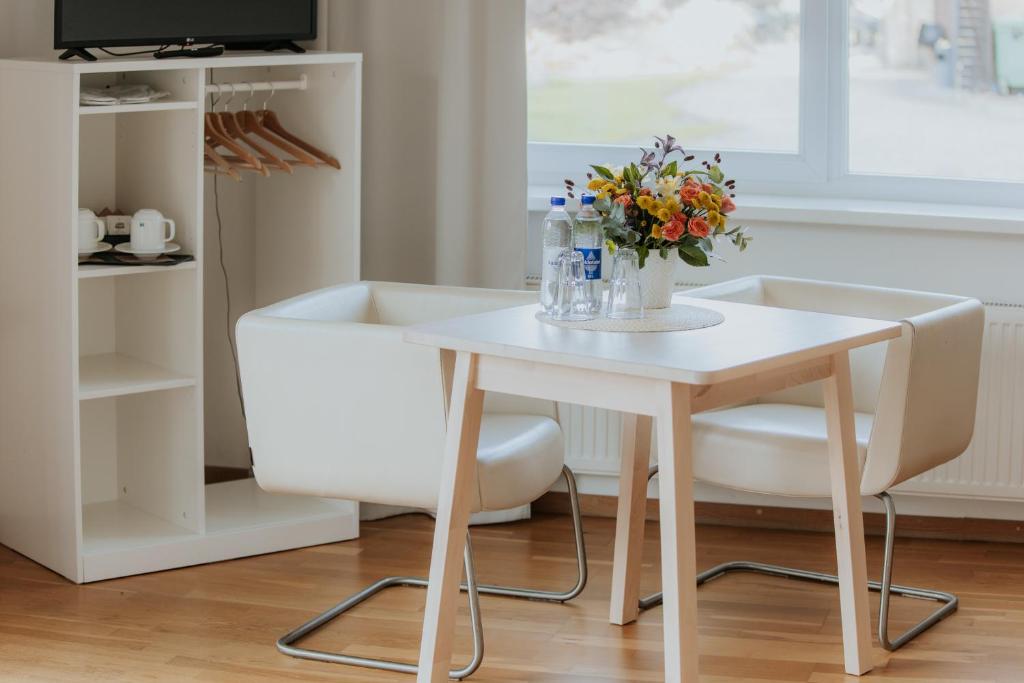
x,y
624,299
572,298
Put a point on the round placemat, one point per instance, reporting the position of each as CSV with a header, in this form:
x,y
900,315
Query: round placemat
x,y
674,319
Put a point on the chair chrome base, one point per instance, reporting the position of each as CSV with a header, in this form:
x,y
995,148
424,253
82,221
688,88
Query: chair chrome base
x,y
885,587
287,643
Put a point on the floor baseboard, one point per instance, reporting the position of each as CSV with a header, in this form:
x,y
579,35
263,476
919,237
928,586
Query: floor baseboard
x,y
800,519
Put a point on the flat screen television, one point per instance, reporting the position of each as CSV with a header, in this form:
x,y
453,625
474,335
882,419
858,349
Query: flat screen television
x,y
80,24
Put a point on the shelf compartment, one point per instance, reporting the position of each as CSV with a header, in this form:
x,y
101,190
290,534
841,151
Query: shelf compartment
x,y
134,332
160,105
107,375
115,525
141,467
86,272
239,505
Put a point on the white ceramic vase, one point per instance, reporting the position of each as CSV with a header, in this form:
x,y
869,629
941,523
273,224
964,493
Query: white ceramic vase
x,y
658,279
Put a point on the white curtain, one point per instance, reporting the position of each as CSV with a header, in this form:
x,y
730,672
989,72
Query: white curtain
x,y
444,137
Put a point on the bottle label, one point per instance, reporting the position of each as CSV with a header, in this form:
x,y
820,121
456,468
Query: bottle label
x,y
550,265
591,263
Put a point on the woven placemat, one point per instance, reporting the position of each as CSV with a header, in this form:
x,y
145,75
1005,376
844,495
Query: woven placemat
x,y
675,319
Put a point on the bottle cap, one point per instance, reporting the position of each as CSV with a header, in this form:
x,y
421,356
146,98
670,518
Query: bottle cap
x,y
558,201
587,199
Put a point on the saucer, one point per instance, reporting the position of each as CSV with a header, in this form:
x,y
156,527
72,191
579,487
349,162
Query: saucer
x,y
147,254
100,248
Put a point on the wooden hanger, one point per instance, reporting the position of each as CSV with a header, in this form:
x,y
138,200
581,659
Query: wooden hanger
x,y
218,137
270,121
232,125
252,124
220,164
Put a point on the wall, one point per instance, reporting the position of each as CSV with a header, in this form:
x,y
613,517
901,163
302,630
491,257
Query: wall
x,y
26,28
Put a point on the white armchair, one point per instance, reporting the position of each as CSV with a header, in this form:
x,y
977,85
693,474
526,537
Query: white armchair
x,y
339,406
915,401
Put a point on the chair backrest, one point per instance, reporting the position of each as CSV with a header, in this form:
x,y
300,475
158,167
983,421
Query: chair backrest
x,y
338,405
922,388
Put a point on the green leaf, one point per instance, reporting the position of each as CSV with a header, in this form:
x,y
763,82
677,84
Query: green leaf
x,y
670,169
716,174
663,252
693,256
641,251
603,172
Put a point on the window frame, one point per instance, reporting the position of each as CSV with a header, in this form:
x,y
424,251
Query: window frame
x,y
821,165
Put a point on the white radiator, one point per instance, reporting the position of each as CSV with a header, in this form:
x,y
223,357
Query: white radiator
x,y
991,469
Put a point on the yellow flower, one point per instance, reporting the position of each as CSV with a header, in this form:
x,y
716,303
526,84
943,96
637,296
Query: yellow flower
x,y
602,195
707,201
621,191
644,202
595,183
714,218
664,215
672,205
608,187
656,231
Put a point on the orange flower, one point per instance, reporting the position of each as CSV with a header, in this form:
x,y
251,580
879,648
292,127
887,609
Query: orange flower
x,y
689,193
674,229
728,205
625,200
699,227
646,191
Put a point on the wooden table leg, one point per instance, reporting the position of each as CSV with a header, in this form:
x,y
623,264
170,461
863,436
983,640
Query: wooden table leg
x,y
458,476
629,520
678,552
849,522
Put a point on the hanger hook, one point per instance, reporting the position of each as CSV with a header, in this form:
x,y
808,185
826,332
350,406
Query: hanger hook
x,y
252,91
273,91
232,98
214,100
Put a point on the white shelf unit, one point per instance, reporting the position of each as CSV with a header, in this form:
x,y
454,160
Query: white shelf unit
x,y
116,383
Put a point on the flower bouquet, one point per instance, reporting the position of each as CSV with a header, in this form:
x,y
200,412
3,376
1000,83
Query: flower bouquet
x,y
665,211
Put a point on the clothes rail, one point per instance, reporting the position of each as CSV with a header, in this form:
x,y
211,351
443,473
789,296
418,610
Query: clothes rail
x,y
258,86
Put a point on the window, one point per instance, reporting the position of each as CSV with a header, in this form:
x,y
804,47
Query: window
x,y
734,82
853,98
929,96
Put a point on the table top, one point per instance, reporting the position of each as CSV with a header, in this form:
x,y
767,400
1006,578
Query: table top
x,y
752,339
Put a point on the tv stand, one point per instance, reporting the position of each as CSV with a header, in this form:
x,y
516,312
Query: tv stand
x,y
78,52
272,46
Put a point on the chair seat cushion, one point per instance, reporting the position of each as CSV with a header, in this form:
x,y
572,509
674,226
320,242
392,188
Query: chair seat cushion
x,y
518,459
772,448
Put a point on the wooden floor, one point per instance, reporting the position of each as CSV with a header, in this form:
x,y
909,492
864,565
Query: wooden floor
x,y
219,622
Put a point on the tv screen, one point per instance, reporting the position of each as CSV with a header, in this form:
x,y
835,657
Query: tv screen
x,y
114,23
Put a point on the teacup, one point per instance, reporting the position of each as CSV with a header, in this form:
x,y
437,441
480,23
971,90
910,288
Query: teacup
x,y
148,234
91,230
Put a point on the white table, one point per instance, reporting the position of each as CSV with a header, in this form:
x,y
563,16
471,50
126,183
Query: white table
x,y
669,377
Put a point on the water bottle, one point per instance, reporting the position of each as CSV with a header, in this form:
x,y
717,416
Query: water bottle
x,y
557,236
588,240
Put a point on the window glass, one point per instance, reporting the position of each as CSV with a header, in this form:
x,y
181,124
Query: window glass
x,y
717,74
937,88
